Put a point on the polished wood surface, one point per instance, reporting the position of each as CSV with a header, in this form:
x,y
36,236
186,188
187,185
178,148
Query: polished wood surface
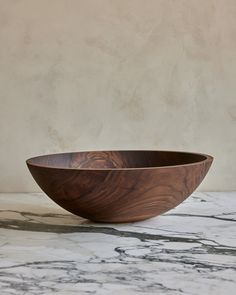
x,y
119,186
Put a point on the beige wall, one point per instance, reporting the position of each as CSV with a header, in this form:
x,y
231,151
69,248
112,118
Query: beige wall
x,y
121,74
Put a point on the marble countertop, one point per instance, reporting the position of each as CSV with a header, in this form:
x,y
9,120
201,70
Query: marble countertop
x,y
189,250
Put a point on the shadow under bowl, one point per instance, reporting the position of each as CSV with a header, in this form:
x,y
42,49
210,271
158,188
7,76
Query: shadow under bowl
x,y
119,186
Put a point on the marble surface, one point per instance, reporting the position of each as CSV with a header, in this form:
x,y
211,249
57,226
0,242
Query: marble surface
x,y
189,250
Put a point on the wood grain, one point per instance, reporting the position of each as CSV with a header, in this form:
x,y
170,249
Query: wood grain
x,y
119,186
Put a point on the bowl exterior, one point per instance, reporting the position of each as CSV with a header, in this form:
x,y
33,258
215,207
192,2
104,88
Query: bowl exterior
x,y
124,195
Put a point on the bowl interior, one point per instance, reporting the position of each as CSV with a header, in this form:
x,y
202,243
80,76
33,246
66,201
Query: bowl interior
x,y
116,159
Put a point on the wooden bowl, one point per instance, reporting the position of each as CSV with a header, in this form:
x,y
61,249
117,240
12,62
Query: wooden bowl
x,y
119,186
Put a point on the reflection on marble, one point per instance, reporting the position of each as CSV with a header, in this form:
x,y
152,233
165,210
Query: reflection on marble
x,y
189,250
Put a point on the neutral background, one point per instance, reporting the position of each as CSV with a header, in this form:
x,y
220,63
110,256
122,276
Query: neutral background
x,y
121,74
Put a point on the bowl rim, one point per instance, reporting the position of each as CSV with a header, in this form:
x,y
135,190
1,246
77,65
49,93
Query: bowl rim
x,y
207,159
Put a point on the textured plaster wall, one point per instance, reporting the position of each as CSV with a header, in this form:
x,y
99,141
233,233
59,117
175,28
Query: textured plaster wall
x,y
117,74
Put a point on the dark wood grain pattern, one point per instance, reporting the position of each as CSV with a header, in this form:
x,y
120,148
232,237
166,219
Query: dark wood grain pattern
x,y
119,186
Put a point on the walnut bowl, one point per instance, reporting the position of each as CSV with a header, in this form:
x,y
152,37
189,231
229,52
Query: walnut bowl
x,y
119,186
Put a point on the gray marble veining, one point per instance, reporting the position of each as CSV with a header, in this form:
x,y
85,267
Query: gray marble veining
x,y
189,250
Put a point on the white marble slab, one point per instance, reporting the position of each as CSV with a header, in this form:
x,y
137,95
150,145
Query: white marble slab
x,y
189,250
